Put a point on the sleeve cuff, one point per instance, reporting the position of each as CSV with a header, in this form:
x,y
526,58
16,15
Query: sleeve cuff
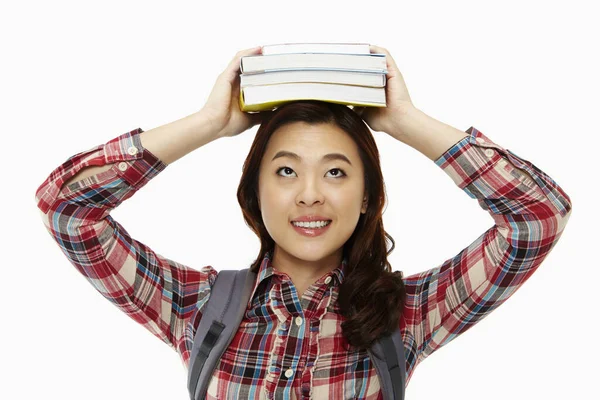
x,y
134,163
470,158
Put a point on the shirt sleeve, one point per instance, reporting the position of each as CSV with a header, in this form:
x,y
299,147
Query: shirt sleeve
x,y
530,211
159,293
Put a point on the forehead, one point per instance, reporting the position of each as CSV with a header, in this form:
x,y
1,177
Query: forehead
x,y
301,137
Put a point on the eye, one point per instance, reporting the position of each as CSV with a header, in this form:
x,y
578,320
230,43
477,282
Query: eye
x,y
337,175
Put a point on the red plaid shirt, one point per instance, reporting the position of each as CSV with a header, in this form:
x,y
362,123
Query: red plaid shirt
x,y
290,345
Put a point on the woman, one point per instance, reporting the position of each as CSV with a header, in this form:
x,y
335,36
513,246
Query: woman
x,y
322,294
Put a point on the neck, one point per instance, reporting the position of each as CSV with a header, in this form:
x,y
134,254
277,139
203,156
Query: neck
x,y
304,273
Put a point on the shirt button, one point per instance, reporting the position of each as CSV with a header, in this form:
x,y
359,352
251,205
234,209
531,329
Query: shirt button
x,y
132,150
480,140
298,321
327,280
289,373
489,152
123,166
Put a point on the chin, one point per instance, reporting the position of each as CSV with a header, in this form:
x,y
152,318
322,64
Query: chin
x,y
311,252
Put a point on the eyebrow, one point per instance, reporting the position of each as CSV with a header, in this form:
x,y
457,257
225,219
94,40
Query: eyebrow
x,y
326,157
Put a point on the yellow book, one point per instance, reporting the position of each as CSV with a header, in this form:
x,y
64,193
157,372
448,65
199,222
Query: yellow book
x,y
269,97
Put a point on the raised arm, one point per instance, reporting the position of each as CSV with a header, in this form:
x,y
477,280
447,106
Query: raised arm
x,y
530,211
75,204
77,197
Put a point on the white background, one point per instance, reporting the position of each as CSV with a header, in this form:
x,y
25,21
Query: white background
x,y
77,74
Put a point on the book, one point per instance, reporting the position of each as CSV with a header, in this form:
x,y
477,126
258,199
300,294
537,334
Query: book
x,y
374,63
268,97
331,48
343,73
323,76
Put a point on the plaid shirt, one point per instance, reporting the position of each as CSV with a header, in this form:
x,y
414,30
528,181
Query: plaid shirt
x,y
290,346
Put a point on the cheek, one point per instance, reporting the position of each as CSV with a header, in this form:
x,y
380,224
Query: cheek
x,y
276,210
275,203
347,201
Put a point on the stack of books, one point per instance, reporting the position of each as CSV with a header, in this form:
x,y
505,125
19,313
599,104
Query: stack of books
x,y
343,73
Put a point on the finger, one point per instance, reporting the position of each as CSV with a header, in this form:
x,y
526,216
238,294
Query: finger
x,y
233,69
389,59
243,53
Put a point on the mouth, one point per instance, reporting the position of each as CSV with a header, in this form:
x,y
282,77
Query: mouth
x,y
311,232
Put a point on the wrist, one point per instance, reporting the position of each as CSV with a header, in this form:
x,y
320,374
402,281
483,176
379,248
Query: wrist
x,y
426,134
405,120
206,121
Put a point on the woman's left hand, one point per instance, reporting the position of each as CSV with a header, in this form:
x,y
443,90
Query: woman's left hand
x,y
398,100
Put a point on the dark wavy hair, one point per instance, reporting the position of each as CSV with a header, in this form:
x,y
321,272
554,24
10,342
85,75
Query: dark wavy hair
x,y
371,296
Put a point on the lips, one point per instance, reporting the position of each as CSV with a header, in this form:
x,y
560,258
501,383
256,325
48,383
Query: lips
x,y
316,227
311,218
311,232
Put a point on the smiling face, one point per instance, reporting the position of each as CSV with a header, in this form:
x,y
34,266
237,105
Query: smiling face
x,y
291,187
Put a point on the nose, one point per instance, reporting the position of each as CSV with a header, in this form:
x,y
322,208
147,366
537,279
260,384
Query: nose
x,y
310,193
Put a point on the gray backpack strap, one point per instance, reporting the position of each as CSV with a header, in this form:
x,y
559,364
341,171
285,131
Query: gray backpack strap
x,y
220,320
388,356
223,314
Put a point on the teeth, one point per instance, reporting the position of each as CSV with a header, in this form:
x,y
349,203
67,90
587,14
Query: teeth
x,y
313,224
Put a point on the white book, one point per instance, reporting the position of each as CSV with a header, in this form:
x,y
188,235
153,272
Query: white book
x,y
327,76
373,63
338,48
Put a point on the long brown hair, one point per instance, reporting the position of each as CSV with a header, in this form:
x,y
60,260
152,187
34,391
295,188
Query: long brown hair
x,y
372,296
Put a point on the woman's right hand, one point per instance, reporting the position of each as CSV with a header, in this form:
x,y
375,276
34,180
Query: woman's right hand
x,y
222,107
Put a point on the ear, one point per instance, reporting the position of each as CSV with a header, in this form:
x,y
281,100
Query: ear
x,y
363,210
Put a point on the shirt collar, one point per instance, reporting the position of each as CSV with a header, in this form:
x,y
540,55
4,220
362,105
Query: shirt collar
x,y
266,270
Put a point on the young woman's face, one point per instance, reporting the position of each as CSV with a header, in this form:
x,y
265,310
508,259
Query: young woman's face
x,y
292,187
